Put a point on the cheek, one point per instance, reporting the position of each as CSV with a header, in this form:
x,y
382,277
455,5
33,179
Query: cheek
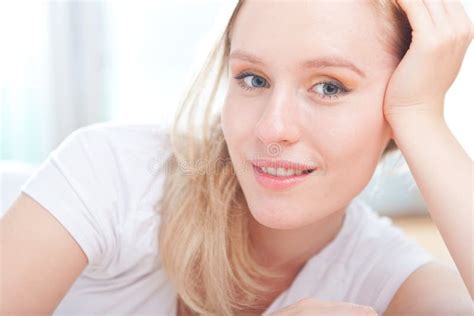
x,y
238,119
353,129
352,132
350,140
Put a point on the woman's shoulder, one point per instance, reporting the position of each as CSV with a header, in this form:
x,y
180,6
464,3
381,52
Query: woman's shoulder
x,y
101,183
380,257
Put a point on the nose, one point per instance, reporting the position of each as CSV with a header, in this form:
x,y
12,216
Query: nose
x,y
278,122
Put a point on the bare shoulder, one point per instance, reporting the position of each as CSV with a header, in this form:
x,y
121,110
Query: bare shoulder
x,y
433,289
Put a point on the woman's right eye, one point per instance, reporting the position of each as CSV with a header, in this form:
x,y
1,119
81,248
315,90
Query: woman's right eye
x,y
250,81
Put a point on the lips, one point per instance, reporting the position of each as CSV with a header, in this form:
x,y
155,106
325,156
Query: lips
x,y
279,182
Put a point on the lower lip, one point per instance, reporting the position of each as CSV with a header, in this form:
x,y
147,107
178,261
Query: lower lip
x,y
278,183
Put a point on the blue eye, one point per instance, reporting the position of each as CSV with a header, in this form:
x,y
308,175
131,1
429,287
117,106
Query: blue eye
x,y
249,81
329,89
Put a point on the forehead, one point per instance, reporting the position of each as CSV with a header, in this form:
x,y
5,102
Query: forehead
x,y
284,32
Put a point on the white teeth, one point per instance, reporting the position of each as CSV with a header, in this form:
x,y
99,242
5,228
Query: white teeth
x,y
281,172
272,171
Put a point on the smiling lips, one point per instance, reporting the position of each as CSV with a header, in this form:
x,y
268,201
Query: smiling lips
x,y
280,174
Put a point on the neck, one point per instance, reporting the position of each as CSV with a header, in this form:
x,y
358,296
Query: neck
x,y
290,249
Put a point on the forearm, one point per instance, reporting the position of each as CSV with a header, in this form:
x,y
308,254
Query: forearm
x,y
443,173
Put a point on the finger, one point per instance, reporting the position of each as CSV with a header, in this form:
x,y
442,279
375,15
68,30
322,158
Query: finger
x,y
455,7
355,309
457,13
463,27
417,13
437,12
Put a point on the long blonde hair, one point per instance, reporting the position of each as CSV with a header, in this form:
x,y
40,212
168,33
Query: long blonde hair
x,y
204,243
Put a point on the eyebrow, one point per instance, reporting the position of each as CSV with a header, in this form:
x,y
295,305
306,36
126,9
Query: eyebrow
x,y
330,61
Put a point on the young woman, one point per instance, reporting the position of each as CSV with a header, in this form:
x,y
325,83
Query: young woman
x,y
257,213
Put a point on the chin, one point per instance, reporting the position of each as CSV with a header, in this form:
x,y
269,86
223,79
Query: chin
x,y
272,216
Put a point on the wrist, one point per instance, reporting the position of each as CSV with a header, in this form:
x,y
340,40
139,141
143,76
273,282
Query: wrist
x,y
430,110
419,117
416,129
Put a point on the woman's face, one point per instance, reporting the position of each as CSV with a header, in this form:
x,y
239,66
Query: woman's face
x,y
312,81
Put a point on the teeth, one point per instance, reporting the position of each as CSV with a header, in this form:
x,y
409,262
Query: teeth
x,y
272,171
281,172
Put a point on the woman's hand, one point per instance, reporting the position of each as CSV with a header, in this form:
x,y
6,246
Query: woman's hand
x,y
441,35
315,307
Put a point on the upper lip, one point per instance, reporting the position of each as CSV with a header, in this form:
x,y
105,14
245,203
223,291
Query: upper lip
x,y
282,164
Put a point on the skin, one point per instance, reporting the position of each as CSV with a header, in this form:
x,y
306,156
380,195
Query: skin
x,y
286,111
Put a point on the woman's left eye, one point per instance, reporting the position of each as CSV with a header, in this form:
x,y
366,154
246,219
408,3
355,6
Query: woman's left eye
x,y
329,89
325,89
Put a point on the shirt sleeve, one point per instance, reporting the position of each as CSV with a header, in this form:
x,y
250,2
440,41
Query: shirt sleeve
x,y
78,185
395,262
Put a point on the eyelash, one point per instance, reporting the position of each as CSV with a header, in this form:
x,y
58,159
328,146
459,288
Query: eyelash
x,y
240,80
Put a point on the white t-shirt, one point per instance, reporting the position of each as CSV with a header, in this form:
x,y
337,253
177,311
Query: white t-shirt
x,y
102,183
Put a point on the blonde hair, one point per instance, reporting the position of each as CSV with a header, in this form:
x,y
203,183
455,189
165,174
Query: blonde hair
x,y
204,243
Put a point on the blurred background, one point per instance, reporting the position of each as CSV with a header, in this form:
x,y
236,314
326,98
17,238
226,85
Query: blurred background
x,y
67,64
